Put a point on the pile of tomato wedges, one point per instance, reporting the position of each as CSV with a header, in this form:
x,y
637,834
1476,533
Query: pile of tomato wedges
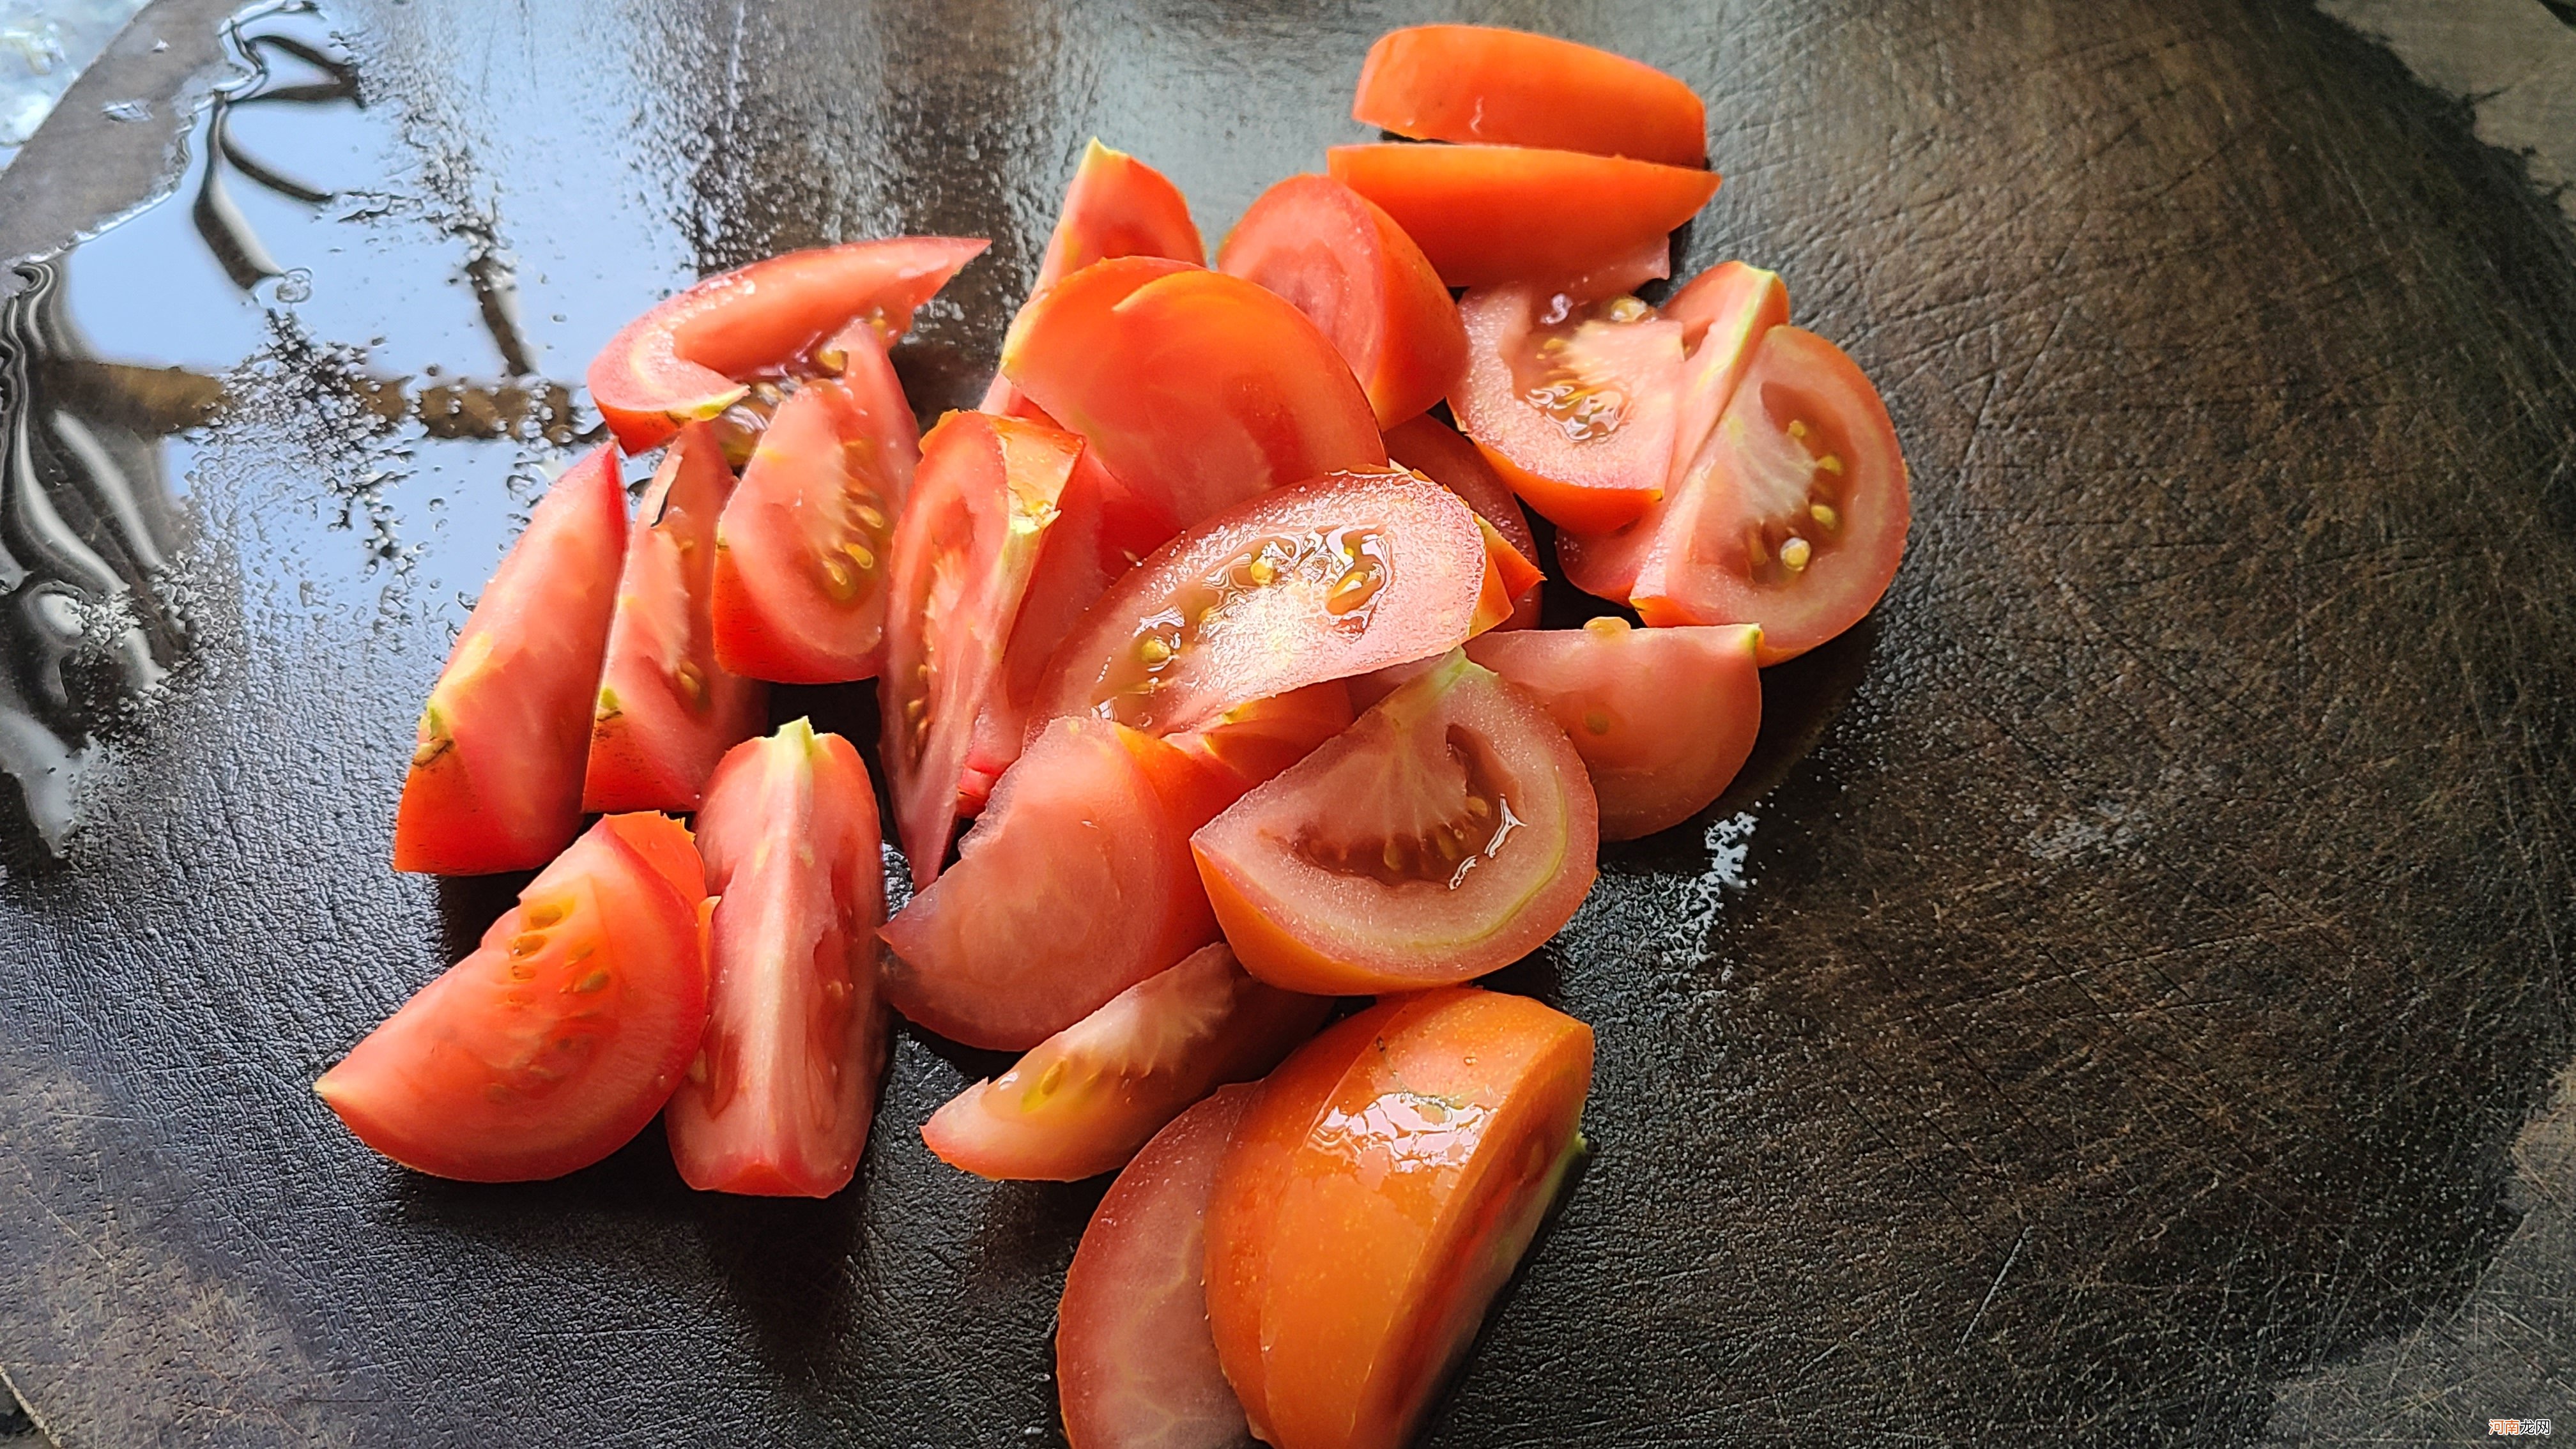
x,y
1222,638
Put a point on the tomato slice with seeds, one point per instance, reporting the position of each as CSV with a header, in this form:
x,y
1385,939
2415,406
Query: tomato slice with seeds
x,y
1663,718
982,503
1197,389
1088,1097
778,1100
799,594
666,711
499,755
1573,403
1332,577
552,1044
1508,87
1341,260
1074,885
693,355
1434,449
1490,216
1448,833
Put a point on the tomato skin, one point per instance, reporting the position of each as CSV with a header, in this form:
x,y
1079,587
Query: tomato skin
x,y
1490,216
1434,449
1301,922
1252,743
1136,1367
685,359
499,755
558,1038
1663,718
1085,1099
1198,390
1341,260
1592,483
1365,1217
1473,83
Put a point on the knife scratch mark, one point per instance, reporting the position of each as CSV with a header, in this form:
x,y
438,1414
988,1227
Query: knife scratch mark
x,y
1992,1288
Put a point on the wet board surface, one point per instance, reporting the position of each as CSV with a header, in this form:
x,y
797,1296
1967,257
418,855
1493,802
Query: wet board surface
x,y
2112,999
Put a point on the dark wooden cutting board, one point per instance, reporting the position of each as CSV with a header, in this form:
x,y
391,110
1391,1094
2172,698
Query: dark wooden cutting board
x,y
2114,995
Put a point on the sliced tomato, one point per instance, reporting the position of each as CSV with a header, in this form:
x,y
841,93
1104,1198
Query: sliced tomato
x,y
777,1102
1793,514
666,711
1448,833
1433,449
1369,1209
1090,1095
1512,88
802,548
1197,389
1341,260
1663,718
1573,403
1135,1365
1253,742
693,356
1490,216
498,758
1330,578
969,540
1074,885
561,1035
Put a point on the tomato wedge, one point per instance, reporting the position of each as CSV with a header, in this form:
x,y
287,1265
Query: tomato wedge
x,y
1373,1199
692,356
1089,1096
666,711
1253,742
552,1044
1433,449
1338,258
1197,389
1663,718
778,1100
969,539
1135,1365
497,763
1512,88
1448,833
801,551
1075,885
1332,577
1491,216
1572,403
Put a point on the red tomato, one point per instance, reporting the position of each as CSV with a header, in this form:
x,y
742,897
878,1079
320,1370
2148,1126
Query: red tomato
x,y
1197,389
1490,216
1090,1095
1663,718
1135,1365
1367,1211
1346,264
690,358
1433,449
1330,578
497,763
1075,885
1793,514
963,553
1448,833
778,1101
801,551
560,1036
666,710
1572,403
1117,206
1512,88
1253,742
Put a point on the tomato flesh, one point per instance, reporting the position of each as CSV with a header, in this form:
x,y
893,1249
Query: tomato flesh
x,y
502,746
692,356
1252,743
1573,403
1448,833
1088,1097
1341,260
1490,216
1663,718
552,1044
1434,449
1473,83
